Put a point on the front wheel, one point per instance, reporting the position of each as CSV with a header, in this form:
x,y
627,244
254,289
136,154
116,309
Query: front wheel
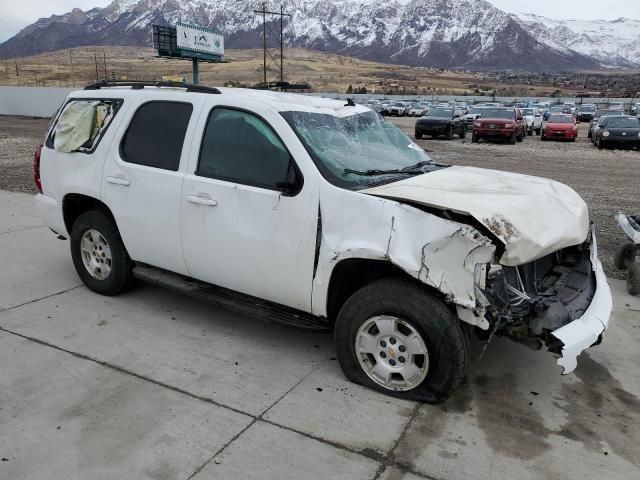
x,y
418,136
512,139
538,130
449,135
475,138
463,133
99,255
394,337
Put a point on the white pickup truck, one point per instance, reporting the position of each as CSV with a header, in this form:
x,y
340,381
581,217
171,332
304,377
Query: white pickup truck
x,y
320,214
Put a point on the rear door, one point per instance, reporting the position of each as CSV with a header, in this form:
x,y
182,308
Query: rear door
x,y
142,180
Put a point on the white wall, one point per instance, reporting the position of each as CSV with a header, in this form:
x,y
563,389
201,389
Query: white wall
x,y
31,101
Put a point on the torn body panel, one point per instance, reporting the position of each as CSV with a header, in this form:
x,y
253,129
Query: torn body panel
x,y
562,300
440,253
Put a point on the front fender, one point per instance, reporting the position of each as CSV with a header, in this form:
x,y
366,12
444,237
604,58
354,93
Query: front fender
x,y
438,252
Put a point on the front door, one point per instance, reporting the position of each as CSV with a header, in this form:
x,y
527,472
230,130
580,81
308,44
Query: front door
x,y
248,222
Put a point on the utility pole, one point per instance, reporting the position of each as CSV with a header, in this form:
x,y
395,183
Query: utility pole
x,y
265,50
104,59
73,80
95,59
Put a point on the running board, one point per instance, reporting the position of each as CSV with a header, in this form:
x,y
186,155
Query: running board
x,y
232,300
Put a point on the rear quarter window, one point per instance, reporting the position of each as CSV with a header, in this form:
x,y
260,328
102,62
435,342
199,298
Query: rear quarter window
x,y
81,124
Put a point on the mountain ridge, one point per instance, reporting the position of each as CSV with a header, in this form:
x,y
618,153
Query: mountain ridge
x,y
454,34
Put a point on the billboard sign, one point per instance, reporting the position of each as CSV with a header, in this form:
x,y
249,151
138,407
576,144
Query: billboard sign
x,y
198,39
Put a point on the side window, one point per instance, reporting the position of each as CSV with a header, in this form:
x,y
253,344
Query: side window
x,y
156,134
240,147
81,124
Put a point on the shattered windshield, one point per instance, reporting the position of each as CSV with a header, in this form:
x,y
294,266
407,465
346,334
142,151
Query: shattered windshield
x,y
359,150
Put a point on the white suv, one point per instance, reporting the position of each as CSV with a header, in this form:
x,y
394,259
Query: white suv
x,y
533,120
320,214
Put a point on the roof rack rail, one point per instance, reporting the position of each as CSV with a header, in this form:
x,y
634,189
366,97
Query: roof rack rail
x,y
140,84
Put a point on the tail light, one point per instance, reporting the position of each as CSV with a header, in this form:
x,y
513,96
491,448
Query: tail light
x,y
36,168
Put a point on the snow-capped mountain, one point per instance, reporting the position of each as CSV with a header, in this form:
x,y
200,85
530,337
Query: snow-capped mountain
x,y
440,33
615,43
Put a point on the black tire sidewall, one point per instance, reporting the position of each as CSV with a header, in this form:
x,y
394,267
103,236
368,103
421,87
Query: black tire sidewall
x,y
633,279
440,330
120,276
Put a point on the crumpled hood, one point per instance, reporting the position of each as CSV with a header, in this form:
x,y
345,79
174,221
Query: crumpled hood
x,y
532,216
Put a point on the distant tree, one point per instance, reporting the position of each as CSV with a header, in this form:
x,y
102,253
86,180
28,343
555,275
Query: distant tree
x,y
350,89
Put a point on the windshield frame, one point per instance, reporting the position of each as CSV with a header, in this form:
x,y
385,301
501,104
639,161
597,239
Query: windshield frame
x,y
492,110
440,109
617,118
371,180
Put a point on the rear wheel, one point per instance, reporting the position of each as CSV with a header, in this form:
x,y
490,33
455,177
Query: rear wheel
x,y
625,255
633,279
394,337
538,130
463,132
99,255
418,136
449,135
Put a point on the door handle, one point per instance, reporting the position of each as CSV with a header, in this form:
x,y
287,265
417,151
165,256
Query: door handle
x,y
202,200
119,180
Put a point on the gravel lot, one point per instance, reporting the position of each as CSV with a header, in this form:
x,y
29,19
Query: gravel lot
x,y
607,180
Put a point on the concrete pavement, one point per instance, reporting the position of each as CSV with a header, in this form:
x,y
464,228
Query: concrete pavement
x,y
152,384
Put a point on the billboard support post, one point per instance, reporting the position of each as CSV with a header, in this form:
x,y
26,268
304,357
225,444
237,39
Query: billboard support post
x,y
194,73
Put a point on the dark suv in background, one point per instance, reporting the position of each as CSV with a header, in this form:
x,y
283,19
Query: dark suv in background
x,y
441,121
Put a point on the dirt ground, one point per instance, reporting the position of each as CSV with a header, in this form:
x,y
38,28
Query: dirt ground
x,y
606,179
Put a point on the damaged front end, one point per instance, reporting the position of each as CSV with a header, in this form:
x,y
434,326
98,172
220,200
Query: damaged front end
x,y
561,300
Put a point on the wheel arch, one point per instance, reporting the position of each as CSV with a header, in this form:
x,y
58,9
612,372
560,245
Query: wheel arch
x,y
351,274
75,204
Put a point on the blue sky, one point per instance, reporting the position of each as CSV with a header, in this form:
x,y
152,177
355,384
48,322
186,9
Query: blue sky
x,y
17,14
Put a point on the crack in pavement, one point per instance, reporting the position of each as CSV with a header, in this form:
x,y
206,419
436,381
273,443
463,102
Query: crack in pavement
x,y
22,229
6,309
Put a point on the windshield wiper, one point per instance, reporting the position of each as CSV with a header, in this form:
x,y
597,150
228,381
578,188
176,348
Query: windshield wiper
x,y
410,170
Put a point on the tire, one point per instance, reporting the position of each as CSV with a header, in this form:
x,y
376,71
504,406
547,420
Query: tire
x,y
449,135
633,279
625,255
418,136
475,138
543,138
94,224
538,130
520,138
599,144
589,134
445,339
463,133
512,139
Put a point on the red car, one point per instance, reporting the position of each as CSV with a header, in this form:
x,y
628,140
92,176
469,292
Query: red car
x,y
560,126
499,123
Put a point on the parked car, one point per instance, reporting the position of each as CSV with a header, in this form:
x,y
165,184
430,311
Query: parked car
x,y
556,109
499,123
397,109
470,117
596,118
584,113
616,106
617,131
417,110
320,214
440,121
533,120
560,126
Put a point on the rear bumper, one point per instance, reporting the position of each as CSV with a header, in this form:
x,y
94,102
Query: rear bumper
x,y
587,330
50,212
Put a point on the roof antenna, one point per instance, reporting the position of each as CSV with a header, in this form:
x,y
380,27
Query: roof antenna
x,y
350,103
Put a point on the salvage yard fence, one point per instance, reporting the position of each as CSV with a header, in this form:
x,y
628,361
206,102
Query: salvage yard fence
x,y
44,101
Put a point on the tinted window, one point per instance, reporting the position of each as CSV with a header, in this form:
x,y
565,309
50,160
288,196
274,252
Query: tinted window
x,y
242,148
623,122
560,119
498,113
156,134
440,112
